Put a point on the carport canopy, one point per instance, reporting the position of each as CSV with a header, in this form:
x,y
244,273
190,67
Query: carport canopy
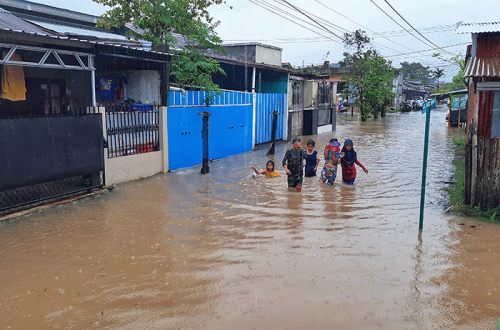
x,y
46,58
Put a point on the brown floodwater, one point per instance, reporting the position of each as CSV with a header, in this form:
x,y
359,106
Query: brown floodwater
x,y
227,251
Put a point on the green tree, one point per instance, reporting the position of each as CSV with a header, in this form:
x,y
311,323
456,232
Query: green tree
x,y
157,20
459,81
310,70
415,71
368,76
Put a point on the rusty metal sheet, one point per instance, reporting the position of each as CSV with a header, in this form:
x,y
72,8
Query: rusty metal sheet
x,y
482,67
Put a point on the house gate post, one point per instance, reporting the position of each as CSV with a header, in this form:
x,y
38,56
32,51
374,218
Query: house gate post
x,y
163,138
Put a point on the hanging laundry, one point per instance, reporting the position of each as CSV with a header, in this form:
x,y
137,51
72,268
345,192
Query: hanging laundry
x,y
13,84
111,89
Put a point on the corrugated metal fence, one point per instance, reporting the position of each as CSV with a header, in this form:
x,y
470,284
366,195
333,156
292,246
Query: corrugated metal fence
x,y
265,105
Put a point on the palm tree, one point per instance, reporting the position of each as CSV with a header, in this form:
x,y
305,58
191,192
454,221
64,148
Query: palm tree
x,y
438,74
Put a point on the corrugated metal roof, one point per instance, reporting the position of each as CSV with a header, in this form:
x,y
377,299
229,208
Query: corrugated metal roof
x,y
71,30
73,39
482,67
478,27
9,21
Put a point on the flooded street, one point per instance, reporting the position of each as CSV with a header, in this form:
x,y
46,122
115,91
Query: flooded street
x,y
227,251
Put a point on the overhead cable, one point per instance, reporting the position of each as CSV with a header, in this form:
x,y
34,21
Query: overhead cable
x,y
258,4
300,11
304,13
360,24
428,50
398,23
415,29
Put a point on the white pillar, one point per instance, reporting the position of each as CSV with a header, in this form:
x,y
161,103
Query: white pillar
x,y
285,114
92,80
102,111
163,137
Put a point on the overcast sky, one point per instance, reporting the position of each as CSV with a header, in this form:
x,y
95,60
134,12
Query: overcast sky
x,y
323,22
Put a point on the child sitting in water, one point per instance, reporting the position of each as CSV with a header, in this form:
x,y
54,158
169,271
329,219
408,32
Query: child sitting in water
x,y
332,158
269,172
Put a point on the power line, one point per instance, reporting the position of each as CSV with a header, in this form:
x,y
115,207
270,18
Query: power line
x,y
347,31
268,5
414,28
275,10
300,11
430,29
428,50
309,15
262,6
325,22
380,45
322,39
296,17
360,24
304,13
398,23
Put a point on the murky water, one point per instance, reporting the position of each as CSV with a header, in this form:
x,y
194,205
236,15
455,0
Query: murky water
x,y
227,251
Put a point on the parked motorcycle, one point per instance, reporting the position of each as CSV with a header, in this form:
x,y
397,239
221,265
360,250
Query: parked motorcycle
x,y
405,106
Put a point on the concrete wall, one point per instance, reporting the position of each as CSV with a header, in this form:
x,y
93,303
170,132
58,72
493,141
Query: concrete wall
x,y
143,86
296,120
252,52
267,55
310,94
133,167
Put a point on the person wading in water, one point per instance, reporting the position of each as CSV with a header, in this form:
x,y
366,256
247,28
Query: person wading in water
x,y
293,162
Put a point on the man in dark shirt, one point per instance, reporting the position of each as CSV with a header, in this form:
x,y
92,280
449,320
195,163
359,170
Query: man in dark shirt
x,y
293,162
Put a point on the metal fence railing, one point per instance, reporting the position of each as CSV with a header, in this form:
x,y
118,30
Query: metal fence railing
x,y
130,131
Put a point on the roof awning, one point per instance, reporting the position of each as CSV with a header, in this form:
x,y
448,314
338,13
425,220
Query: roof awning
x,y
483,67
440,96
478,27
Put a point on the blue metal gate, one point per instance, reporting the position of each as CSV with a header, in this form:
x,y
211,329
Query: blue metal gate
x,y
230,126
265,105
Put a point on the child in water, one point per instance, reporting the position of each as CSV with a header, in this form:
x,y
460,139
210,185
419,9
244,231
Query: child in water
x,y
269,171
332,158
349,158
312,159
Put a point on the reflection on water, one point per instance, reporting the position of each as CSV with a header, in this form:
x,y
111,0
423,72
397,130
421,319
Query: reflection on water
x,y
225,250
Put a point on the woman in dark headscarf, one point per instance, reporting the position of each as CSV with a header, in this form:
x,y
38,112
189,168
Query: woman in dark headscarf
x,y
349,158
